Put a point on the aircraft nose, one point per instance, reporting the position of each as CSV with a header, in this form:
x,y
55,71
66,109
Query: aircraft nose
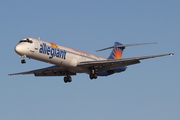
x,y
18,49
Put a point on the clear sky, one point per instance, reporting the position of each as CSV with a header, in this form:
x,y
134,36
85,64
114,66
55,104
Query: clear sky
x,y
146,91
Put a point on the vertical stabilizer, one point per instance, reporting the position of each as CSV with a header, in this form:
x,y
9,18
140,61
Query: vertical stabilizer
x,y
117,51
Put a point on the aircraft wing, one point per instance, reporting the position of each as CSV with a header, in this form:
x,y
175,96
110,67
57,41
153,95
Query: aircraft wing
x,y
116,63
48,71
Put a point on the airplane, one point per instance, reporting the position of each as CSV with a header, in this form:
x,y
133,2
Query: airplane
x,y
67,62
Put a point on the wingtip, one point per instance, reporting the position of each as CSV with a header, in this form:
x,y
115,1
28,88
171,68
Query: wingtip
x,y
171,54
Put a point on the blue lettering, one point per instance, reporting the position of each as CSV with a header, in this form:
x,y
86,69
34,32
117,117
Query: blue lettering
x,y
64,55
57,54
60,54
41,49
48,50
53,52
45,48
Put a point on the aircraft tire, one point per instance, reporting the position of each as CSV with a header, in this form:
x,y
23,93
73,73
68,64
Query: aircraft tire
x,y
95,76
69,79
91,76
65,79
23,61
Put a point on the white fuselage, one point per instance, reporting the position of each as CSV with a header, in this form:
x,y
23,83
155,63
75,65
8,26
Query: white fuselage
x,y
61,56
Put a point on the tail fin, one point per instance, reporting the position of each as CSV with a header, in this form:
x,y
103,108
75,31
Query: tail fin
x,y
117,51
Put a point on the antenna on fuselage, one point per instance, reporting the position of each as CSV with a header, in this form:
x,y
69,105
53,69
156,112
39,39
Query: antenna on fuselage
x,y
38,38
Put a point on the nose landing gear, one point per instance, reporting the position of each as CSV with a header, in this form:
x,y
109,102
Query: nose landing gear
x,y
23,60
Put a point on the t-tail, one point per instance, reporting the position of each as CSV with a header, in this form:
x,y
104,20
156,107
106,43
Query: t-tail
x,y
117,51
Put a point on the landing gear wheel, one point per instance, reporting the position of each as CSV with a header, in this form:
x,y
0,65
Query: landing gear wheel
x,y
93,76
23,61
67,79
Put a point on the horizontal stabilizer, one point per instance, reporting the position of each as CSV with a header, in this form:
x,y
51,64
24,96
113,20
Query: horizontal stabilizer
x,y
125,46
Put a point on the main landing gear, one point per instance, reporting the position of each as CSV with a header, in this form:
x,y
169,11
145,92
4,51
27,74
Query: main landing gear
x,y
67,79
93,74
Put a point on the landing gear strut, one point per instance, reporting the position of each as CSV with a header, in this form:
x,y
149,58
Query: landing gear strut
x,y
67,79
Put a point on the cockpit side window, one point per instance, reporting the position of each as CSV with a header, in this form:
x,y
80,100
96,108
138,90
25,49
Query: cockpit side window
x,y
27,40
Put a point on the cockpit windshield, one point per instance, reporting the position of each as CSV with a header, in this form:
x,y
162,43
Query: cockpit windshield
x,y
27,40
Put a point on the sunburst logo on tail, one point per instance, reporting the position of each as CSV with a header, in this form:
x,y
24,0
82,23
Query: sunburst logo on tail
x,y
117,53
